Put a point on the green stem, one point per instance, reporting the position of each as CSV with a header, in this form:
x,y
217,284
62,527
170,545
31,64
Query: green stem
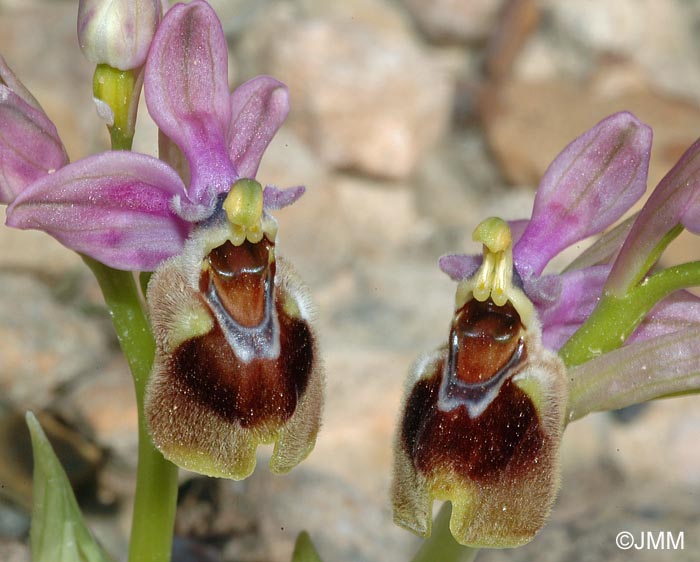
x,y
120,139
156,484
441,546
120,90
646,265
615,318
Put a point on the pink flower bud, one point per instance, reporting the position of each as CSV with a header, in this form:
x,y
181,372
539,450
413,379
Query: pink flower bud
x,y
117,32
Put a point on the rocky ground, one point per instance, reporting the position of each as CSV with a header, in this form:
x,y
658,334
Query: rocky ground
x,y
411,121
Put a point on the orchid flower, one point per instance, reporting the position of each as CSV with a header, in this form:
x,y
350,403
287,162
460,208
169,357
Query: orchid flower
x,y
588,187
484,414
138,209
236,361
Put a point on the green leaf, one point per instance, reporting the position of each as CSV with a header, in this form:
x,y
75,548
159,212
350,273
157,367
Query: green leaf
x,y
304,550
58,531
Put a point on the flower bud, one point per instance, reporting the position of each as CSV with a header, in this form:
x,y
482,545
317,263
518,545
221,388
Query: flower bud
x,y
117,32
236,359
483,416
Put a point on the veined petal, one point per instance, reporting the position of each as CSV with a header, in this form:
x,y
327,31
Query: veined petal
x,y
579,293
114,207
171,154
636,373
605,248
588,187
186,87
675,201
676,312
275,198
29,145
258,109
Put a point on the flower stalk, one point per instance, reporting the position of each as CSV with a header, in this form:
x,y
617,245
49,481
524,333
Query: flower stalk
x,y
441,545
156,483
117,96
615,318
155,499
228,341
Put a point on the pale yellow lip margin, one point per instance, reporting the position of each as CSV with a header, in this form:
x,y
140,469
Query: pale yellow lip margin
x,y
494,279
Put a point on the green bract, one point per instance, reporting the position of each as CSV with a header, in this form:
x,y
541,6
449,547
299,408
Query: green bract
x,y
58,531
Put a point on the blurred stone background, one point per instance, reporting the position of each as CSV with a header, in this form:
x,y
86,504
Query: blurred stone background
x,y
411,120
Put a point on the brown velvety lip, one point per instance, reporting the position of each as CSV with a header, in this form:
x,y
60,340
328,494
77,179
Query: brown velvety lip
x,y
491,423
254,368
254,393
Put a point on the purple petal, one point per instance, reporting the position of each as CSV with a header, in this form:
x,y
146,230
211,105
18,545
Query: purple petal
x,y
636,373
517,229
588,187
459,266
114,207
187,94
258,109
275,198
676,200
578,294
676,312
171,154
29,145
605,248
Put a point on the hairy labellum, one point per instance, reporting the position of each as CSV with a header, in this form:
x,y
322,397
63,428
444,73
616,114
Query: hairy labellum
x,y
236,361
482,422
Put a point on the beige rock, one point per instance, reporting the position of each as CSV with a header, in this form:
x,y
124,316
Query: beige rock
x,y
380,218
14,551
536,120
250,22
345,221
362,407
682,250
658,36
289,161
346,526
40,44
35,251
455,20
43,344
312,234
104,401
455,180
661,445
353,100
